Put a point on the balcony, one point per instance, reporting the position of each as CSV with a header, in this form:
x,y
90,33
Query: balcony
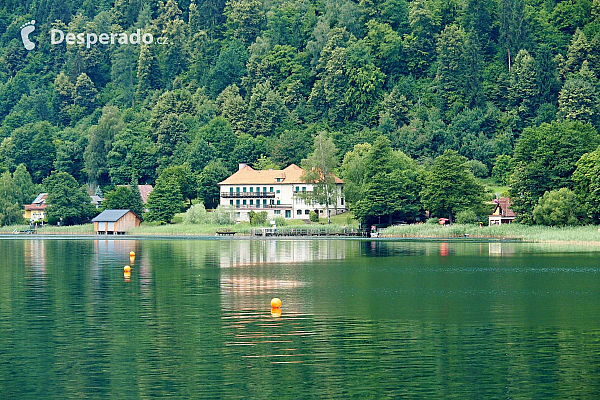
x,y
247,195
262,206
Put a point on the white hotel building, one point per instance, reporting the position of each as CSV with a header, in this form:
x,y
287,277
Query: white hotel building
x,y
278,192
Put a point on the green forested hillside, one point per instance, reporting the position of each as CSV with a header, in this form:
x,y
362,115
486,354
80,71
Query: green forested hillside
x,y
255,81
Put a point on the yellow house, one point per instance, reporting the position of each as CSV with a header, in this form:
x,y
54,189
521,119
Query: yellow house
x,y
36,211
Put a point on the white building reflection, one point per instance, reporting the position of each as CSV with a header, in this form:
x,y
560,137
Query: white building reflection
x,y
253,271
255,252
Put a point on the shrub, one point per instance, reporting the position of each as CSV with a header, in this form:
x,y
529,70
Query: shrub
x,y
280,221
258,218
313,217
196,214
479,169
222,215
558,208
432,221
466,217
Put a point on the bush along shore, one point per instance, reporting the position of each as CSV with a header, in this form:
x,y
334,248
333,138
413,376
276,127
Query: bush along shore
x,y
534,233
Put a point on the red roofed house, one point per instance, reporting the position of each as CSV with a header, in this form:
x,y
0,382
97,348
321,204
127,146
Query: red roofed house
x,y
502,214
145,191
274,191
37,209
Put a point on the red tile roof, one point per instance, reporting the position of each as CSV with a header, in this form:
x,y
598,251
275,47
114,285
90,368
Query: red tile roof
x,y
250,176
504,203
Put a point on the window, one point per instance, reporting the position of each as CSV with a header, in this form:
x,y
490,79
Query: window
x,y
277,179
237,189
244,203
237,203
265,202
277,191
288,213
230,202
257,189
342,200
264,189
271,189
251,189
297,188
320,211
306,212
231,189
271,202
257,203
303,189
299,212
251,202
278,202
278,212
244,189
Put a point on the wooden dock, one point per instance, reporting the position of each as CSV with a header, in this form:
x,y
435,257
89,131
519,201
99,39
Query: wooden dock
x,y
287,232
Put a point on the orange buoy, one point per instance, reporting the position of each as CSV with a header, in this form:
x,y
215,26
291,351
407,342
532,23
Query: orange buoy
x,y
127,276
132,254
127,269
275,302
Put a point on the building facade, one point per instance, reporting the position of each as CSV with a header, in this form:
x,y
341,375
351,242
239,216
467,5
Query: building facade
x,y
502,214
281,193
36,211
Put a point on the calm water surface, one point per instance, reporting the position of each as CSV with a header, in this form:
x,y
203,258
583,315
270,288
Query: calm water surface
x,y
359,319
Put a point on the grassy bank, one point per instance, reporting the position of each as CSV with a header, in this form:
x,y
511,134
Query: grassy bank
x,y
52,229
513,231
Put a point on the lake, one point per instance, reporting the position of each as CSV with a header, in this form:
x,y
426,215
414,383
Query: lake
x,y
378,319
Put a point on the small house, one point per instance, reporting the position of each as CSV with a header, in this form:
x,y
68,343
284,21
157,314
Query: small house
x,y
115,222
37,209
502,214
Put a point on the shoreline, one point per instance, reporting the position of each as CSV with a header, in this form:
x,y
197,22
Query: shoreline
x,y
387,238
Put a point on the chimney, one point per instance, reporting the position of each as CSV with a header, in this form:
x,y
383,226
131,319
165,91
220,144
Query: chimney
x,y
241,165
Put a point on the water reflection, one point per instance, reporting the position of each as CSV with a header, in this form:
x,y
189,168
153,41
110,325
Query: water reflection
x,y
359,319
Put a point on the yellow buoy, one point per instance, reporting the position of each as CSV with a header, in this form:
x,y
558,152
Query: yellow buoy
x,y
127,269
127,276
132,254
275,302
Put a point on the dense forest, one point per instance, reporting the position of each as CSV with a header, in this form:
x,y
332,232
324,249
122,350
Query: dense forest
x,y
511,85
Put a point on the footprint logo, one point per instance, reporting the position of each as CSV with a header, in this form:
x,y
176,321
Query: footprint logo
x,y
26,29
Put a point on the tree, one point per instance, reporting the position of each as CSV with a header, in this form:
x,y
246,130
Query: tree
x,y
318,170
244,19
122,198
185,179
24,188
559,208
586,183
420,42
544,159
502,169
100,138
147,73
264,162
449,186
229,67
524,90
208,190
10,210
68,203
165,200
84,93
452,65
389,186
